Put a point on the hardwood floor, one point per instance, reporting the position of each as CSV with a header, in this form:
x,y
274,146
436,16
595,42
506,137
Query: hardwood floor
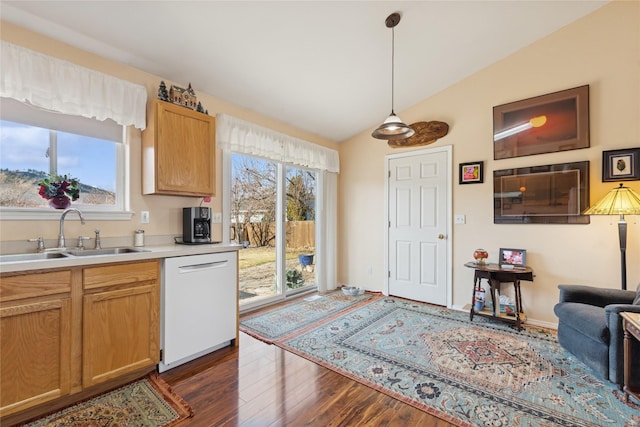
x,y
260,385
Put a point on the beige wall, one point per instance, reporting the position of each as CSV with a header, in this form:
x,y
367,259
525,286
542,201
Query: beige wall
x,y
165,211
601,50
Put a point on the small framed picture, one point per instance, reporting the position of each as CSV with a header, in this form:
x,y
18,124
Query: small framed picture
x,y
621,165
512,257
472,173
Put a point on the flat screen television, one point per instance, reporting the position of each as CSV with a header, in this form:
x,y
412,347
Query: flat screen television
x,y
512,258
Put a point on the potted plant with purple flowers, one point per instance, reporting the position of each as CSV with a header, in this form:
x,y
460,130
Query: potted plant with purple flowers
x,y
59,190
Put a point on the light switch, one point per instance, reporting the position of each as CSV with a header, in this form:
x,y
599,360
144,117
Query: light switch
x,y
459,219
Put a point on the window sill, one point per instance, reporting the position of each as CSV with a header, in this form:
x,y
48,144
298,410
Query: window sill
x,y
22,214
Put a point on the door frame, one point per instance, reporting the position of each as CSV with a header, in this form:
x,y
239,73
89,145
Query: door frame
x,y
449,206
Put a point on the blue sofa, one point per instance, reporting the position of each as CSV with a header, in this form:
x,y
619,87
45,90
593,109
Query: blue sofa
x,y
590,327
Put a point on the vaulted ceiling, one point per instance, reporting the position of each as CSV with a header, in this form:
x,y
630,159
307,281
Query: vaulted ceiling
x,y
321,66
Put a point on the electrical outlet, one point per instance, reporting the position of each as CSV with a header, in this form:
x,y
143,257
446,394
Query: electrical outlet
x,y
459,219
216,217
144,217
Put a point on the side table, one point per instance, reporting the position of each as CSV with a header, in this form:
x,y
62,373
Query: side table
x,y
631,326
497,275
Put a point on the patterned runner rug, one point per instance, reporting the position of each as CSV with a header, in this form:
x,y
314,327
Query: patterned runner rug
x,y
278,323
148,402
480,373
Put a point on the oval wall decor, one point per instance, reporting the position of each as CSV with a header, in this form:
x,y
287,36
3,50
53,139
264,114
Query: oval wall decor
x,y
426,133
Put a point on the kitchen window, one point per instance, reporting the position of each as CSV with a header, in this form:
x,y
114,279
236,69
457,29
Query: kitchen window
x,y
36,142
37,90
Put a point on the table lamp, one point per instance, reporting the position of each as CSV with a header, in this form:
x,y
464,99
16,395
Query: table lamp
x,y
619,201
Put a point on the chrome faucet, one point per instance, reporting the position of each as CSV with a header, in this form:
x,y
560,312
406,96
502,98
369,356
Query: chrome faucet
x,y
61,235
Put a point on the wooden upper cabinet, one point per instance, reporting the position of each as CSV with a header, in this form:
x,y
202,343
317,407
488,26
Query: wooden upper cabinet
x,y
178,151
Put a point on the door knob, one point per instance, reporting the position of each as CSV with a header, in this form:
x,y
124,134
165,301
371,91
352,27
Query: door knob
x,y
441,236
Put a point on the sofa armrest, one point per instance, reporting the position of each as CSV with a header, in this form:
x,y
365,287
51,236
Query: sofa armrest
x,y
591,295
612,313
616,344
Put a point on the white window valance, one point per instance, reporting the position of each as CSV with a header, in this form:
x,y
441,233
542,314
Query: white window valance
x,y
62,86
233,134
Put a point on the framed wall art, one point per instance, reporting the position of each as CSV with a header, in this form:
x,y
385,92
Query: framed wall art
x,y
549,123
471,173
621,165
550,194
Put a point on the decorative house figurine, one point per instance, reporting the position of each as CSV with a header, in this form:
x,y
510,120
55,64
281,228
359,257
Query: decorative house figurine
x,y
185,97
181,96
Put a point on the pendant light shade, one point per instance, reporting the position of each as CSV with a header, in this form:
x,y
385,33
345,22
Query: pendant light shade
x,y
392,127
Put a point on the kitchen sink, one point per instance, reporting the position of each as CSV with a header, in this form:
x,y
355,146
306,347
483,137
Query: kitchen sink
x,y
68,253
104,251
32,257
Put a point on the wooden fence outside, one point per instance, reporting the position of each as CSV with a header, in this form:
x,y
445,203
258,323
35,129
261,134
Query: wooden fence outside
x,y
299,234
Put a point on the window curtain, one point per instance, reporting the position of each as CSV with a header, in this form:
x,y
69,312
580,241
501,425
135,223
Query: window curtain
x,y
57,85
239,136
327,219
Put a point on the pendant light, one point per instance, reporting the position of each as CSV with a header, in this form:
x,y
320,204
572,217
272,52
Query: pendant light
x,y
393,127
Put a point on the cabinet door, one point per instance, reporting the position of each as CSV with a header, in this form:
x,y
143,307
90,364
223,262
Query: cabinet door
x,y
120,332
185,151
35,352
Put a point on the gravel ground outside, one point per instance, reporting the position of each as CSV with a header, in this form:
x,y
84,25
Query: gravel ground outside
x,y
259,281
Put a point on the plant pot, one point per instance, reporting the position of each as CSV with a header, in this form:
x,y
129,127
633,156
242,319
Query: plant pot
x,y
305,259
60,202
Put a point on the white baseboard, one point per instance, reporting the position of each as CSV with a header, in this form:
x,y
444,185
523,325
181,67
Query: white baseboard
x,y
529,321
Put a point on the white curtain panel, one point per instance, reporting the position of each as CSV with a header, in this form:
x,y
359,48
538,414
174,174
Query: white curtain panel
x,y
326,245
57,85
239,136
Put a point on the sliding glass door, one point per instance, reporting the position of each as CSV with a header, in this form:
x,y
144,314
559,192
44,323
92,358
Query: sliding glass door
x,y
300,229
272,215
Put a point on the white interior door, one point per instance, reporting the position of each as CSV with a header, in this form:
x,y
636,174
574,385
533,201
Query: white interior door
x,y
419,187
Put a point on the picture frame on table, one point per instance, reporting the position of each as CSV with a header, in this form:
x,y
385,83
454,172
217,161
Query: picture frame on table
x,y
512,257
621,165
550,123
471,172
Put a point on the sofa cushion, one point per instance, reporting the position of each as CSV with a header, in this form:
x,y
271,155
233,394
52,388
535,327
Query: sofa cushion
x,y
637,300
590,320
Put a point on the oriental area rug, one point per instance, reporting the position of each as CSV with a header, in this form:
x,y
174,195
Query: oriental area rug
x,y
148,402
480,373
278,323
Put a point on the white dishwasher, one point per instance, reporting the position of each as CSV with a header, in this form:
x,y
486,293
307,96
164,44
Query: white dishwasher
x,y
199,306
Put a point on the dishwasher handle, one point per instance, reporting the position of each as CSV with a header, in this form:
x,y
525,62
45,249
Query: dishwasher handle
x,y
200,267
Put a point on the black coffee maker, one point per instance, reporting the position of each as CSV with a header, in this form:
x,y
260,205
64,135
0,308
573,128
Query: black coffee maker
x,y
196,225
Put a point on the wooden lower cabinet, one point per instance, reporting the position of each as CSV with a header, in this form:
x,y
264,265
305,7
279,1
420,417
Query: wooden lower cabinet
x,y
84,326
35,343
121,320
120,333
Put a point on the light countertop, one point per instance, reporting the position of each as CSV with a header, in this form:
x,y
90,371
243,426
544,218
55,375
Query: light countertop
x,y
149,252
